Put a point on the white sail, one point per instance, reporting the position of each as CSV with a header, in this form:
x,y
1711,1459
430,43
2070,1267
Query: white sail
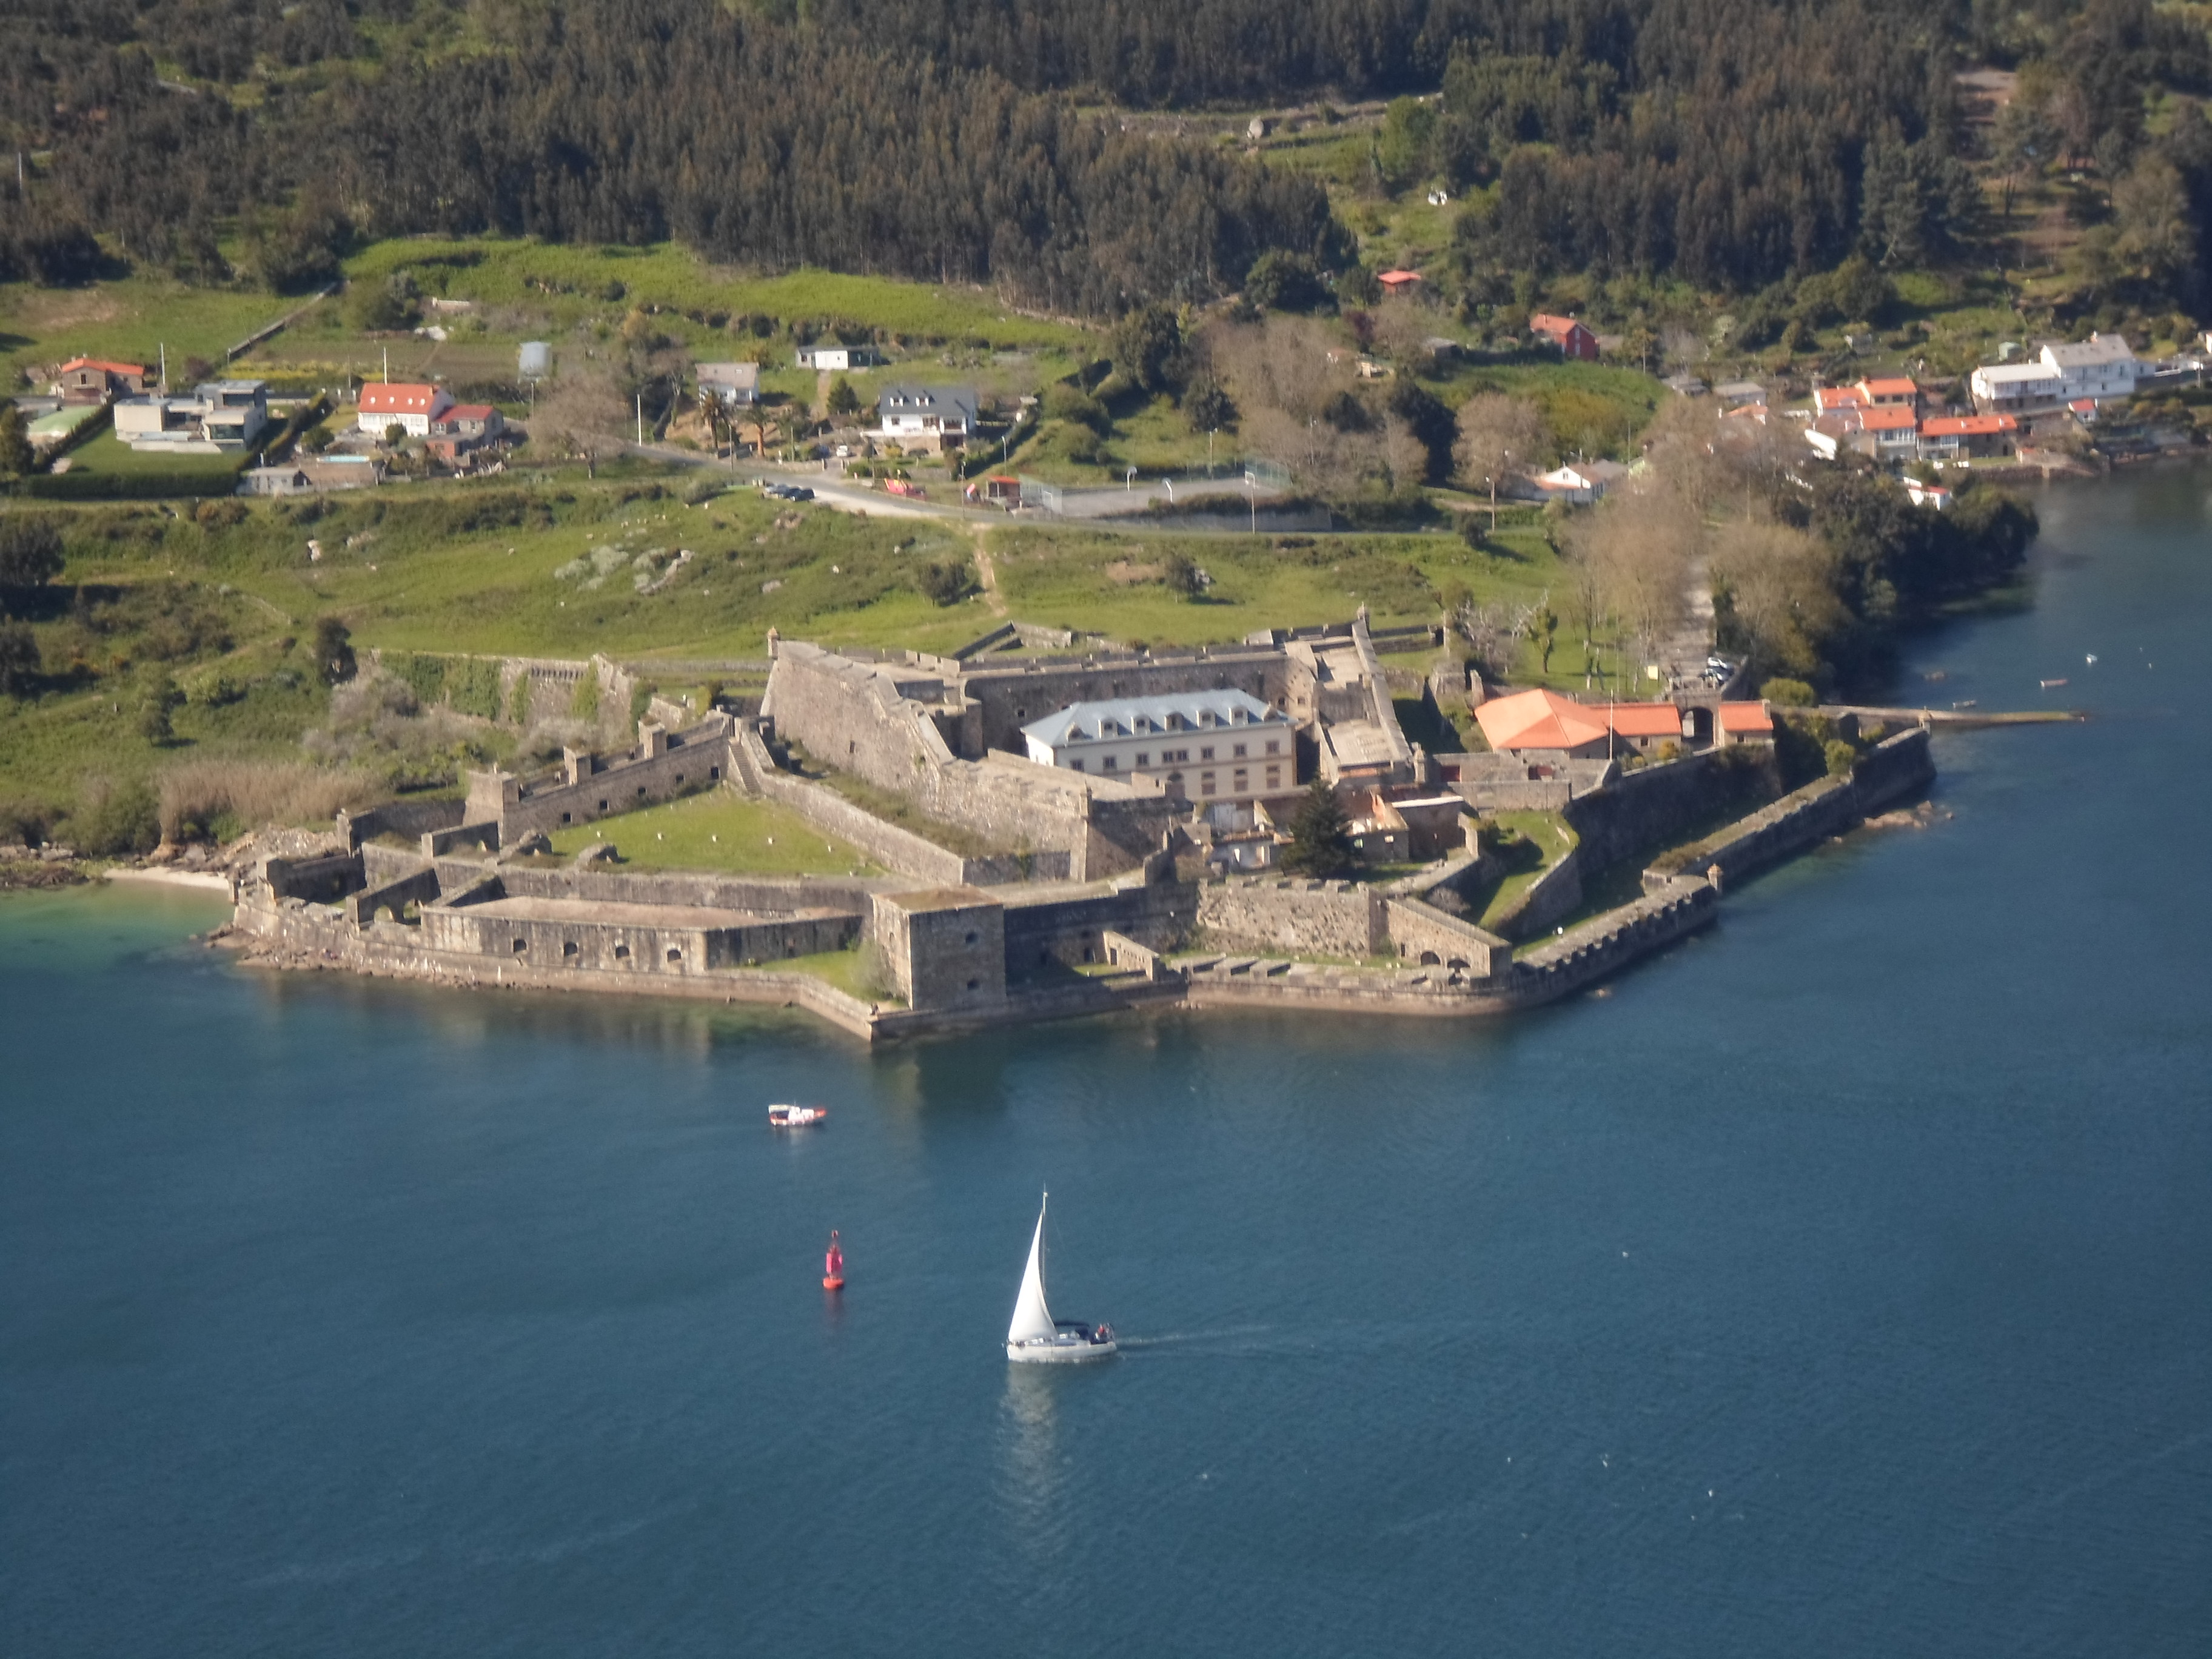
x,y
1032,1319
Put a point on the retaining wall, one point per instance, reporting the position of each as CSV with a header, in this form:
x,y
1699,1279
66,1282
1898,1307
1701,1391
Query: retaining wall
x,y
1556,893
411,818
1072,932
1297,918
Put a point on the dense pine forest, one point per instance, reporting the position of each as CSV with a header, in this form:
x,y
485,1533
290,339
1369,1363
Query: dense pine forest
x,y
1733,144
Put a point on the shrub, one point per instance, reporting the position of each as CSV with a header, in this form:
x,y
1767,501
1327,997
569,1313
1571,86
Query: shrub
x,y
334,657
19,660
585,705
1841,758
1073,404
116,818
946,581
1789,694
202,798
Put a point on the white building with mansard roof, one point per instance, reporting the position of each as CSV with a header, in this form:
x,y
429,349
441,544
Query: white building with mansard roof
x,y
1214,746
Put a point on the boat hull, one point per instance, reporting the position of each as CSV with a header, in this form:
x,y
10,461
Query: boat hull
x,y
1059,1353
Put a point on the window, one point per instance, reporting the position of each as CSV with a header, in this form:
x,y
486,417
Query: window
x,y
675,955
521,947
1274,777
1206,783
565,818
1243,782
622,953
603,806
1075,765
1206,753
1273,748
973,983
1237,753
1144,758
1109,764
568,949
973,936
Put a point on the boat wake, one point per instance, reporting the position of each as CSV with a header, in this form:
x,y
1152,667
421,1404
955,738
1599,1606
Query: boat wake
x,y
1176,1339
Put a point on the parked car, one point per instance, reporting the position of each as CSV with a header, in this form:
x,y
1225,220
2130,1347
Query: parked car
x,y
796,493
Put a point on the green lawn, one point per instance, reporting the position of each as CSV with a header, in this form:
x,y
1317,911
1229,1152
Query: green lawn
x,y
718,830
131,320
107,455
573,284
1544,834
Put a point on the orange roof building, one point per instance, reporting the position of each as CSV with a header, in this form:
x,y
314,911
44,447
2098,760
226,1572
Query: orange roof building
x,y
1573,339
1832,399
1896,389
1747,722
412,407
1399,282
1545,721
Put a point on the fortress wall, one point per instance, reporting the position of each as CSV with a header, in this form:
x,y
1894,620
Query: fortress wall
x,y
1419,932
694,760
1072,931
1657,804
319,880
1607,943
1297,918
845,715
582,941
1553,895
411,818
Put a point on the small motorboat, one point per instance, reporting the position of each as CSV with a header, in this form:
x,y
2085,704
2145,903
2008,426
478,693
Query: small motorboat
x,y
2049,685
796,1117
1035,1336
833,1265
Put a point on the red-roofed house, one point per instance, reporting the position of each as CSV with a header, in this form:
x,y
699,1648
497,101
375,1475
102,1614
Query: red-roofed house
x,y
463,427
386,403
1897,390
1747,722
1574,341
1944,437
1400,281
1837,399
94,380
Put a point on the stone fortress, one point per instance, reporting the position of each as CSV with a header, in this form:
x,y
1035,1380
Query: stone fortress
x,y
1081,891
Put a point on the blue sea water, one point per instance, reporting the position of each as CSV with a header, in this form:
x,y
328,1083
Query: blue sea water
x,y
1840,1282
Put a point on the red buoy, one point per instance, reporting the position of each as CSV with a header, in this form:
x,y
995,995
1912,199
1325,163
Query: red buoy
x,y
833,1265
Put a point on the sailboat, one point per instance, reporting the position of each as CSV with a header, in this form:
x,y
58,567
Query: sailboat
x,y
1035,1336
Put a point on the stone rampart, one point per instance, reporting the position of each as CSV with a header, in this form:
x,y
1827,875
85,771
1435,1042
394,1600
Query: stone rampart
x,y
1611,941
1554,894
411,818
418,886
897,848
1657,805
691,761
1421,933
1072,932
324,880
1298,918
646,939
1826,806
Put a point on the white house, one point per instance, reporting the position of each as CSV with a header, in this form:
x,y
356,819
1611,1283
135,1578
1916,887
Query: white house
x,y
1212,745
2101,367
387,404
219,415
733,383
1583,482
829,354
943,413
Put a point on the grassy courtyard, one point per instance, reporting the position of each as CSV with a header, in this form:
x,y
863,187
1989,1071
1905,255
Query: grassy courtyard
x,y
719,830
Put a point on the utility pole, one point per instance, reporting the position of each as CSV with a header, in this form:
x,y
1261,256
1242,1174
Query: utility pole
x,y
640,417
387,365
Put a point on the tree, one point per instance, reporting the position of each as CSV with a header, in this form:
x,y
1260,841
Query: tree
x,y
30,556
1146,348
1207,407
157,696
842,399
581,415
19,660
15,453
1544,628
394,435
1357,286
1321,845
1283,282
333,646
1182,577
1495,431
2157,235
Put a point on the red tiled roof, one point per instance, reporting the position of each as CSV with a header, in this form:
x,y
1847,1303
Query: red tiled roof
x,y
397,398
1557,327
1538,719
1968,426
1893,418
1746,717
1897,387
1828,398
102,363
468,412
1398,278
1645,719
1545,720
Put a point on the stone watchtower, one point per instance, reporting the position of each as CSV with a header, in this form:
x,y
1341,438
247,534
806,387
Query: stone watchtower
x,y
946,949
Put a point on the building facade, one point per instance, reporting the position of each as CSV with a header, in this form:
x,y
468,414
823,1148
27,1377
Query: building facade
x,y
412,408
1211,746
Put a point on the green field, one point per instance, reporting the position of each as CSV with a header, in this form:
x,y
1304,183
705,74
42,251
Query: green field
x,y
719,830
131,319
